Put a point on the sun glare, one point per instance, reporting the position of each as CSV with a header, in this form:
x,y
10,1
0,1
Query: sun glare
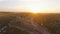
x,y
36,9
33,6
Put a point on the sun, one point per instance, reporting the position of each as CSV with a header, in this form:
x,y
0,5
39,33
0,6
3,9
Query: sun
x,y
36,9
33,6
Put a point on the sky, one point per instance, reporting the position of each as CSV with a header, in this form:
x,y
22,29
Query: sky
x,y
24,5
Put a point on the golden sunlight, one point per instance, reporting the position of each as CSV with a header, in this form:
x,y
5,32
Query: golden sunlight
x,y
36,9
33,6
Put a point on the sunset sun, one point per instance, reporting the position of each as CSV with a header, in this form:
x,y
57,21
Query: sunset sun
x,y
36,9
35,6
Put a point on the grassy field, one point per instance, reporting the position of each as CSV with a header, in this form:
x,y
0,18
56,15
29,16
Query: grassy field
x,y
29,23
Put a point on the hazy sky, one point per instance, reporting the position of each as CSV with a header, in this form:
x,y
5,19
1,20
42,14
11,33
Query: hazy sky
x,y
52,5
